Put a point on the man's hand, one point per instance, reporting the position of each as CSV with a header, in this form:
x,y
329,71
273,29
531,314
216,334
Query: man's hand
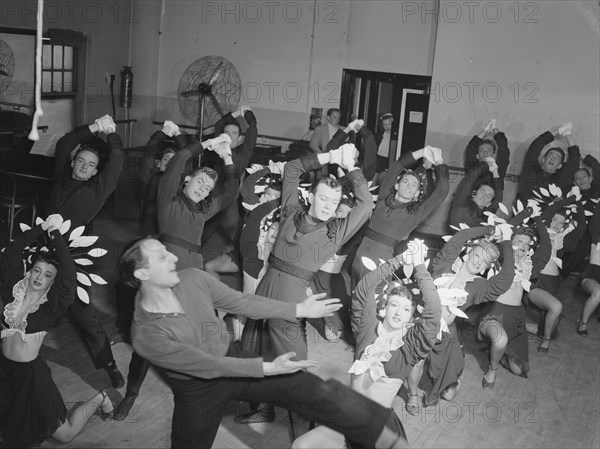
x,y
213,143
170,128
283,365
276,167
244,109
256,167
491,125
105,124
356,125
566,129
223,150
433,155
53,222
312,307
502,232
335,156
349,156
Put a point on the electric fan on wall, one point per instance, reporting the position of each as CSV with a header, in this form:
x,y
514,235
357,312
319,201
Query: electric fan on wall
x,y
7,65
209,88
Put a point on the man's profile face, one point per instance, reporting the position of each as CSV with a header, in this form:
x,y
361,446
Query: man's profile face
x,y
85,165
160,268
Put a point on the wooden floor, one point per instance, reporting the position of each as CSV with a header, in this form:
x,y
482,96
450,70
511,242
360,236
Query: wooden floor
x,y
556,407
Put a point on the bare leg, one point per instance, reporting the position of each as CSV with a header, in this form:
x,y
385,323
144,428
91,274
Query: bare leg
x,y
592,288
80,415
493,330
553,307
412,384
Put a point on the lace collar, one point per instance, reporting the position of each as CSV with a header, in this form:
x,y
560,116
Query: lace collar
x,y
12,310
378,353
523,272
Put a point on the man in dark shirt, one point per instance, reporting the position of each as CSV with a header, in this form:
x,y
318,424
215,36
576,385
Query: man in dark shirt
x,y
176,329
83,183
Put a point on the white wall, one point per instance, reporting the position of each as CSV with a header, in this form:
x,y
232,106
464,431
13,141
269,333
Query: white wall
x,y
290,55
530,65
532,71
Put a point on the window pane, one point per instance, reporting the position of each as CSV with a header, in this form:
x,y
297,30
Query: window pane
x,y
57,63
68,58
68,81
57,84
47,57
46,81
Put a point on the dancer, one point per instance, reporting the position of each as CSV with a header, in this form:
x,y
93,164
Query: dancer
x,y
590,278
178,331
451,271
184,208
398,211
31,407
84,180
389,340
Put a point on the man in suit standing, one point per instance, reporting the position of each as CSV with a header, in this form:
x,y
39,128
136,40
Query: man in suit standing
x,y
324,133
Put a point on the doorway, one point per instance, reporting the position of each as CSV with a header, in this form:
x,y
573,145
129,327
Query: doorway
x,y
369,95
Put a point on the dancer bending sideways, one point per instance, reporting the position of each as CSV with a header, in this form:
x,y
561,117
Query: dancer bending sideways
x,y
590,278
389,340
31,407
398,211
183,209
503,320
178,331
446,359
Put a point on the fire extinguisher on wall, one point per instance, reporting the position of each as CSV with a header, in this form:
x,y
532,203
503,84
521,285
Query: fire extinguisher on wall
x,y
126,94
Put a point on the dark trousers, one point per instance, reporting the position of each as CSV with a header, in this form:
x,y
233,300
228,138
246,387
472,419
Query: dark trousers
x,y
138,368
94,336
200,404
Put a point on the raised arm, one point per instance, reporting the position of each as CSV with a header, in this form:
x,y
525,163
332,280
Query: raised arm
x,y
531,161
109,176
11,260
544,251
481,290
567,171
152,148
594,165
171,180
446,257
291,177
468,183
471,152
406,160
360,213
439,194
249,184
572,239
502,154
249,141
229,193
363,300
